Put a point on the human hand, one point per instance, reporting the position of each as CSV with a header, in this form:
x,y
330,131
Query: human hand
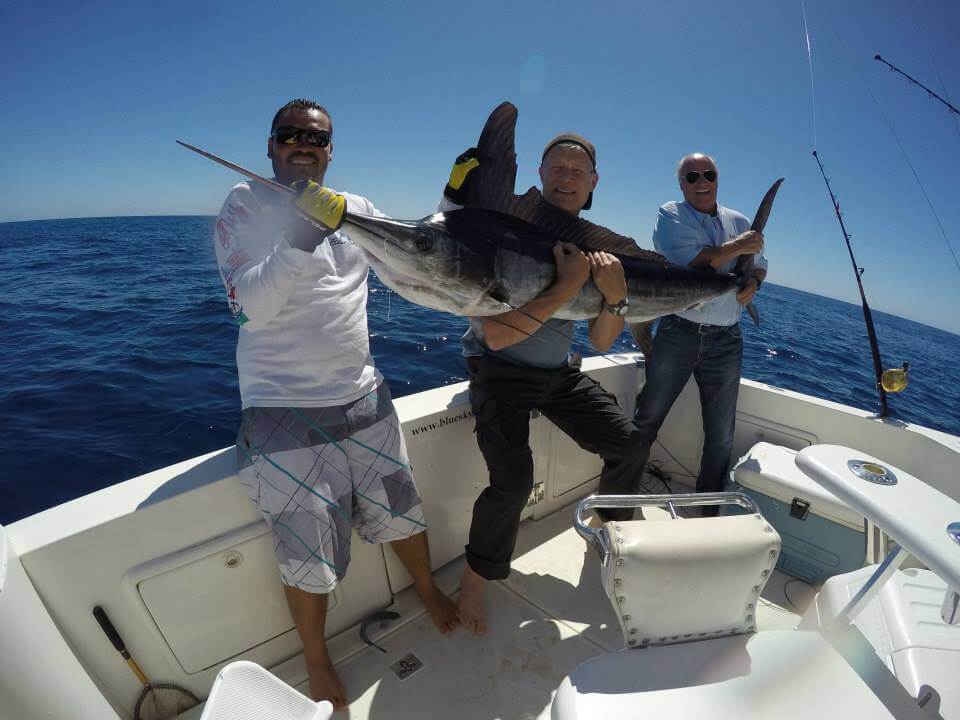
x,y
319,206
749,289
457,185
749,243
607,273
573,267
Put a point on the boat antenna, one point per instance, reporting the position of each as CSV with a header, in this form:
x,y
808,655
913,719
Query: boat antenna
x,y
867,315
930,92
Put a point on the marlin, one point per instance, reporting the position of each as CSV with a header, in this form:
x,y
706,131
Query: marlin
x,y
496,253
477,262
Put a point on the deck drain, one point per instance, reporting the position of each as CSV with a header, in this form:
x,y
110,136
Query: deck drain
x,y
406,666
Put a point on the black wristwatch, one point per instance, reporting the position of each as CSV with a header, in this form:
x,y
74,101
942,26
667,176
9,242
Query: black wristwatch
x,y
620,309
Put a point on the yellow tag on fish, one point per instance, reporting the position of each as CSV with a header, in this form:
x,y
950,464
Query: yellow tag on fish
x,y
460,171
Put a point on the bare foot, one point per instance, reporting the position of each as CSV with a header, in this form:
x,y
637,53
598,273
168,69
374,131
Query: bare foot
x,y
472,611
442,610
325,684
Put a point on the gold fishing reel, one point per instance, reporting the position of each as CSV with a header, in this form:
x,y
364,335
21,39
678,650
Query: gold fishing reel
x,y
895,380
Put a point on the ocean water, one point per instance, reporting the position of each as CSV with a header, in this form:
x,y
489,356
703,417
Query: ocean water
x,y
118,353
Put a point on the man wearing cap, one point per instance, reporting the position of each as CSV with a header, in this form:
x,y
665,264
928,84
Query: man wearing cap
x,y
520,361
703,341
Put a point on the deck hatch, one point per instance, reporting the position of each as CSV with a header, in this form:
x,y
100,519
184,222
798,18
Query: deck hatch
x,y
203,599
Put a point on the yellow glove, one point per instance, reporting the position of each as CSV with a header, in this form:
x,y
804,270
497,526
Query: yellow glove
x,y
319,206
456,188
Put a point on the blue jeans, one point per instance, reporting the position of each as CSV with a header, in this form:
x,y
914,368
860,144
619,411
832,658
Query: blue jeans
x,y
713,354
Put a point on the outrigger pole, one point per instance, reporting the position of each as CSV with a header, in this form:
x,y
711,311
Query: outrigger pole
x,y
930,92
867,316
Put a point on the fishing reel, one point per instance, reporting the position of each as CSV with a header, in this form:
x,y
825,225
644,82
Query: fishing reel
x,y
895,380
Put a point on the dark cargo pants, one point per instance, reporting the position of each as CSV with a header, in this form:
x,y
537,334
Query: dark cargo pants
x,y
502,395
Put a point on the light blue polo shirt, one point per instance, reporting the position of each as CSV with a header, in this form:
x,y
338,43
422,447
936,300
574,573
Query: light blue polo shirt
x,y
682,232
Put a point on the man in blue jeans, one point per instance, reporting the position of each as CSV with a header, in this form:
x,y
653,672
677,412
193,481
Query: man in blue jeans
x,y
704,341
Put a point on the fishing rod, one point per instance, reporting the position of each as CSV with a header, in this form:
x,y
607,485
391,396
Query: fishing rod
x,y
867,315
930,92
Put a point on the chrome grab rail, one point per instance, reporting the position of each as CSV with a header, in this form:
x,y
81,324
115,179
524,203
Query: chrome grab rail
x,y
598,538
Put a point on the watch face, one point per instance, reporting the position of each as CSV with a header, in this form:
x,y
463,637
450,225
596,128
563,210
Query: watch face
x,y
622,308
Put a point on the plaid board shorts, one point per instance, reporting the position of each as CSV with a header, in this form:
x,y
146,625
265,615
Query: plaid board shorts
x,y
316,473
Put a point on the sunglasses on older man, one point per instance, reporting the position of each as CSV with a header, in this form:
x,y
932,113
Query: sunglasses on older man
x,y
293,136
692,176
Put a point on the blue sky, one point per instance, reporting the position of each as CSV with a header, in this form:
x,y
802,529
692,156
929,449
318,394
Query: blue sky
x,y
93,95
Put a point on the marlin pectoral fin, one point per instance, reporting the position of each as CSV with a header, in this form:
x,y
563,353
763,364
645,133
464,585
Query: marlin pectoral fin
x,y
377,617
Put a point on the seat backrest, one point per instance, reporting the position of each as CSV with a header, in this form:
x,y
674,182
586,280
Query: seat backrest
x,y
688,579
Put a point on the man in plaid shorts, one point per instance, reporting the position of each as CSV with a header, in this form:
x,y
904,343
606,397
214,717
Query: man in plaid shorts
x,y
320,449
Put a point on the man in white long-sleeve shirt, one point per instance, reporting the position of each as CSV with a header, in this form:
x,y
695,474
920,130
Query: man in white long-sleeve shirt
x,y
320,448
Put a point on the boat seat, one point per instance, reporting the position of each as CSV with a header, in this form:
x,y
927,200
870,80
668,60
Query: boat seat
x,y
245,690
685,579
783,674
904,626
685,597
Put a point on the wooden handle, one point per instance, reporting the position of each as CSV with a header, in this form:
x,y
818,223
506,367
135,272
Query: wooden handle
x,y
111,632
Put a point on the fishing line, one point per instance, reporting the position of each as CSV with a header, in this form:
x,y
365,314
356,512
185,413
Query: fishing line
x,y
608,355
793,604
943,86
813,99
906,157
674,458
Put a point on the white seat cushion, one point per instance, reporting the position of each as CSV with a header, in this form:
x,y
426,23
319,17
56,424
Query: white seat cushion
x,y
787,675
679,580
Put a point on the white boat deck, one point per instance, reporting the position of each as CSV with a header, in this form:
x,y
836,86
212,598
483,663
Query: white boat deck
x,y
160,553
549,616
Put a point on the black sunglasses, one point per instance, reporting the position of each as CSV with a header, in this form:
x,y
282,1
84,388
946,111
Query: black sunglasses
x,y
293,135
693,176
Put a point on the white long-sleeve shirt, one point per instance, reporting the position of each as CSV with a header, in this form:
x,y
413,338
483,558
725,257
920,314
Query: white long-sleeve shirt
x,y
303,339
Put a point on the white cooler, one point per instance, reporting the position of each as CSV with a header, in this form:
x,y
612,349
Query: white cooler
x,y
821,536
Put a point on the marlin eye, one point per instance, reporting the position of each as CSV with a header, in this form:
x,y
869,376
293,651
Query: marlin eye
x,y
424,242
